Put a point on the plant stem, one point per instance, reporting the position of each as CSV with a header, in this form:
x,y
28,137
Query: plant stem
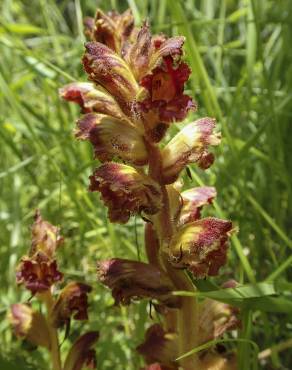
x,y
187,316
55,352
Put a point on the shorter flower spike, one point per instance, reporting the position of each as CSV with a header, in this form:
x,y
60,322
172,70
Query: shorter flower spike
x,y
81,353
159,346
189,146
29,324
130,280
45,237
126,191
72,301
201,246
38,273
111,138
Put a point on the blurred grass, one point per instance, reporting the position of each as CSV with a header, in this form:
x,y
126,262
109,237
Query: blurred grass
x,y
241,58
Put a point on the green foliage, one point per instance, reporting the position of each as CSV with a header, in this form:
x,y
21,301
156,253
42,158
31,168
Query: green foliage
x,y
241,58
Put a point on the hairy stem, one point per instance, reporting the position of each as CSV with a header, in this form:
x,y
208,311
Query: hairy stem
x,y
55,351
187,316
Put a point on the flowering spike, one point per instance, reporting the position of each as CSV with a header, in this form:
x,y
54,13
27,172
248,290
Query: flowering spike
x,y
201,246
111,138
72,301
131,279
29,324
189,146
125,191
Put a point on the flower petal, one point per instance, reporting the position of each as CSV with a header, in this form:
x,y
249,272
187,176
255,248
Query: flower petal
x,y
91,99
132,279
81,352
45,237
29,324
111,138
107,69
38,273
159,346
201,246
193,201
125,191
72,301
188,146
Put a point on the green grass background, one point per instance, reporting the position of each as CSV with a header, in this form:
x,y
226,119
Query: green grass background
x,y
241,59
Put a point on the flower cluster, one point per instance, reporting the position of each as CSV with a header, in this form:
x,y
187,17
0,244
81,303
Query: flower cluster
x,y
135,93
38,272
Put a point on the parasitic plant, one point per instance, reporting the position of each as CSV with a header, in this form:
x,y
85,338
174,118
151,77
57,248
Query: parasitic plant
x,y
38,272
135,93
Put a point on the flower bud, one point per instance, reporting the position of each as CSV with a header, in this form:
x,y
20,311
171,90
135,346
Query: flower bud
x,y
107,69
113,29
133,280
125,191
192,202
45,237
29,324
72,301
189,146
201,246
159,346
38,273
81,353
111,138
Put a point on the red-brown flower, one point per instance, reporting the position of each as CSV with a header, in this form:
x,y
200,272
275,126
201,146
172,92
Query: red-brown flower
x,y
125,191
72,302
38,273
130,280
201,246
112,137
190,145
159,346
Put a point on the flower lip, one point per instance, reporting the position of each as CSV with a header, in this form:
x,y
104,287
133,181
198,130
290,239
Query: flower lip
x,y
126,191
